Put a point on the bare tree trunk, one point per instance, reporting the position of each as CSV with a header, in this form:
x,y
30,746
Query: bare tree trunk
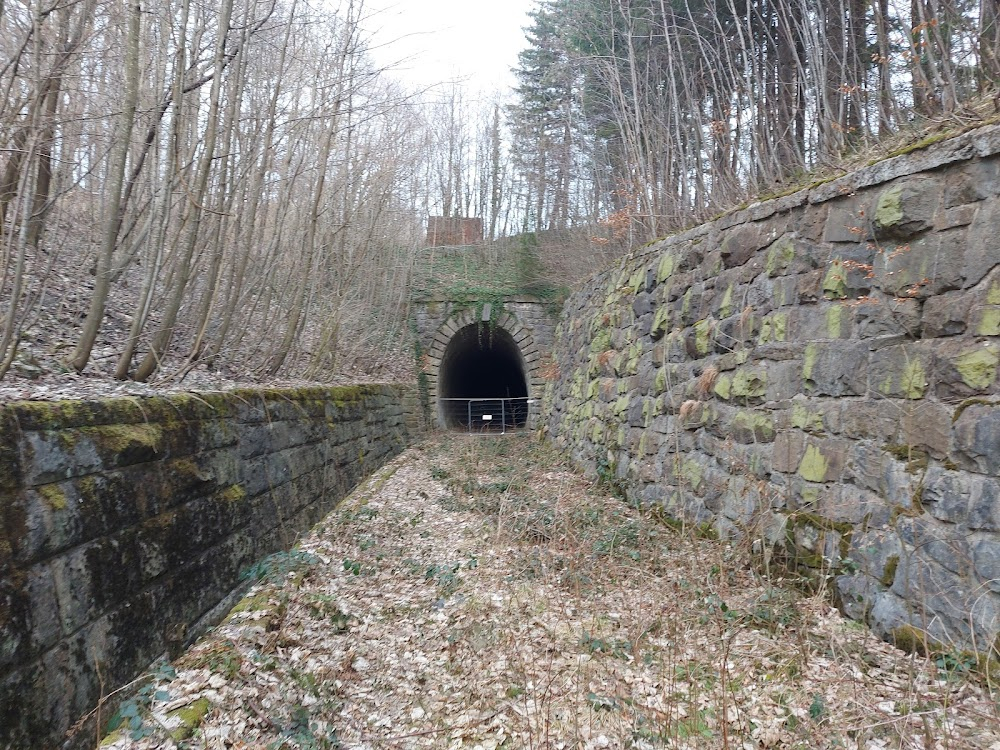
x,y
161,341
495,185
886,100
8,335
856,67
924,100
43,179
790,157
112,220
989,43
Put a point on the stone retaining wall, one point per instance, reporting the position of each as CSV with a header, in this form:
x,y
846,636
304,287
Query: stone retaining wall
x,y
817,374
124,523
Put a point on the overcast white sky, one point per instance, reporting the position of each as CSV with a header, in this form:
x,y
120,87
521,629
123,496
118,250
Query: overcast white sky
x,y
433,41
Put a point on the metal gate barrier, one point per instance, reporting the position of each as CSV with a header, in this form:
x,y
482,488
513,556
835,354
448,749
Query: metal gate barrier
x,y
486,414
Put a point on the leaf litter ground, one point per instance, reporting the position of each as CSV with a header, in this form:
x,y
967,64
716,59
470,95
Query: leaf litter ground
x,y
477,593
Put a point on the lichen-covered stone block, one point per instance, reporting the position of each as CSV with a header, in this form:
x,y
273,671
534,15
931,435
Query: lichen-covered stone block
x,y
906,208
838,348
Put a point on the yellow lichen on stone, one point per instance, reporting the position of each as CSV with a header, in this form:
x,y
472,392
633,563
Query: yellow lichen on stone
x,y
726,306
691,473
234,493
834,321
53,495
914,380
761,426
889,210
774,328
993,296
724,387
703,336
835,281
809,358
660,381
780,256
660,321
978,367
638,280
805,419
989,324
814,465
666,267
749,383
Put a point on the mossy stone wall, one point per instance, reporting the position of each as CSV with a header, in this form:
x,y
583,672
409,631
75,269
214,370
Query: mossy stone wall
x,y
125,522
817,376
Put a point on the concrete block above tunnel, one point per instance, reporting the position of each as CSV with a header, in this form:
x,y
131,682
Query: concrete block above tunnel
x,y
482,380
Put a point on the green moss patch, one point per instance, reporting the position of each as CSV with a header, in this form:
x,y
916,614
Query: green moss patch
x,y
144,439
916,459
234,493
190,718
889,574
971,402
913,640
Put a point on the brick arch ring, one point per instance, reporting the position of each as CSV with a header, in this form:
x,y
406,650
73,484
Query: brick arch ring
x,y
530,357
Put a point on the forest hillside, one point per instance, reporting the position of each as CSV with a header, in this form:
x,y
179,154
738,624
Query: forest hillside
x,y
195,194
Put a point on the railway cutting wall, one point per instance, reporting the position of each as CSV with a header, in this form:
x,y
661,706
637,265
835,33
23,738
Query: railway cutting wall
x,y
816,375
126,525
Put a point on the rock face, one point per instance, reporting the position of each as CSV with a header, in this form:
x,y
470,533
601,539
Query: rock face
x,y
817,375
124,524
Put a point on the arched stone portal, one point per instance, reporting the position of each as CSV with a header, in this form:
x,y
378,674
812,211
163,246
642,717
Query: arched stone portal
x,y
473,357
482,363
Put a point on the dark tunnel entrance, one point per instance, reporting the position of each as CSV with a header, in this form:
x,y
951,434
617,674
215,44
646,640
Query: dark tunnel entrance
x,y
481,381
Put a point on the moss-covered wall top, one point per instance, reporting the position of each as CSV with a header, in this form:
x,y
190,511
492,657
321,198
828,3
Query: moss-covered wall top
x,y
819,373
125,522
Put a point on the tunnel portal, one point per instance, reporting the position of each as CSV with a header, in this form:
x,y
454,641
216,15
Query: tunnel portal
x,y
481,380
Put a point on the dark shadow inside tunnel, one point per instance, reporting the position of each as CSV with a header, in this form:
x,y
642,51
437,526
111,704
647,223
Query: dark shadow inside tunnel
x,y
481,381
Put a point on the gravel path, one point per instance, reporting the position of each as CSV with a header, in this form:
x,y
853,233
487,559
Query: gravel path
x,y
477,593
